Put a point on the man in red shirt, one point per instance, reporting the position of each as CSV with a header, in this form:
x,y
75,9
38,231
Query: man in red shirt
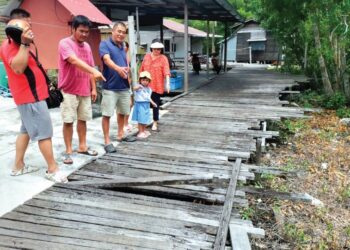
x,y
29,90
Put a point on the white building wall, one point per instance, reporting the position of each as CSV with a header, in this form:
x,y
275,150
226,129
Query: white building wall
x,y
146,37
176,39
180,46
231,49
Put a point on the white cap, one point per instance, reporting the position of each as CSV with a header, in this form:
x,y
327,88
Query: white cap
x,y
145,74
157,45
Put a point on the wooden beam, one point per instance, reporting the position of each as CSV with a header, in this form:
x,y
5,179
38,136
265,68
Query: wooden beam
x,y
221,235
272,170
239,239
283,195
154,180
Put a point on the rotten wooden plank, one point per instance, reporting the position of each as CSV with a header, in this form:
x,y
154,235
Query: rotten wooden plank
x,y
158,180
221,235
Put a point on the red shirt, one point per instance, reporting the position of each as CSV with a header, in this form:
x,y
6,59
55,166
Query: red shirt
x,y
159,69
18,83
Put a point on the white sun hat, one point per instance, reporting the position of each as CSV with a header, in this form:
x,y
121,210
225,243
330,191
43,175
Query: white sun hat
x,y
146,74
157,45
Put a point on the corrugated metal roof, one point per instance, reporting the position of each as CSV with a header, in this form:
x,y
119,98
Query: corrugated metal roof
x,y
179,27
216,10
86,8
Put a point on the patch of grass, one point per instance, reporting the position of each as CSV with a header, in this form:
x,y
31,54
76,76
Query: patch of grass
x,y
293,126
322,245
289,165
347,231
325,188
327,135
267,177
282,188
276,206
321,213
287,128
258,184
345,193
296,234
247,213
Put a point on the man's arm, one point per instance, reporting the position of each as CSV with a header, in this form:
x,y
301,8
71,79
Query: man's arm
x,y
122,71
74,60
20,61
93,89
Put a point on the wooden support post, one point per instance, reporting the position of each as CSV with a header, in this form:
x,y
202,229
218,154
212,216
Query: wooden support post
x,y
258,151
263,139
221,235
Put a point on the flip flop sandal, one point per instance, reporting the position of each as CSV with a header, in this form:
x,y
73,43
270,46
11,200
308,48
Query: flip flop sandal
x,y
154,127
142,136
110,148
88,152
25,170
67,159
57,177
127,139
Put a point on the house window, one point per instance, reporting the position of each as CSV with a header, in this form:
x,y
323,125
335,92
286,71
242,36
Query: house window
x,y
173,47
258,35
258,46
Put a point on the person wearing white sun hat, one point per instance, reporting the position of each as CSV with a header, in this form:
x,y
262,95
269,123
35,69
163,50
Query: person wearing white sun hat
x,y
158,66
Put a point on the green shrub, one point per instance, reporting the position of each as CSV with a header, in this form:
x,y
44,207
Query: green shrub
x,y
310,98
293,126
336,101
343,112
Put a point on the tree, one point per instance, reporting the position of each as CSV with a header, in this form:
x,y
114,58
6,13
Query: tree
x,y
315,36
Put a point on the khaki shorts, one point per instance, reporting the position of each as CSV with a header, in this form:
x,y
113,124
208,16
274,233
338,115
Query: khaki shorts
x,y
119,100
74,107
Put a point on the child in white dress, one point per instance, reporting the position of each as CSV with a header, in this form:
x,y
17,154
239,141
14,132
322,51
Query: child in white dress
x,y
142,98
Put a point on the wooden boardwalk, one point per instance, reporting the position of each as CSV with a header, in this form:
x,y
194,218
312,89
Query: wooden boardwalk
x,y
171,191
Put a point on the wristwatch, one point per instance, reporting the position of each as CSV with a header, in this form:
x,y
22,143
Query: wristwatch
x,y
25,45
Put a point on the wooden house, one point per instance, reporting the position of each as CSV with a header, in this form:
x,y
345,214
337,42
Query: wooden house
x,y
251,42
173,37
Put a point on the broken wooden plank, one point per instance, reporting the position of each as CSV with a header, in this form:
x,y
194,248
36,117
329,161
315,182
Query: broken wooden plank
x,y
271,170
157,180
239,239
289,92
248,227
221,235
283,195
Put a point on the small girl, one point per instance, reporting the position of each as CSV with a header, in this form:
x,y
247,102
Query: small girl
x,y
142,98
